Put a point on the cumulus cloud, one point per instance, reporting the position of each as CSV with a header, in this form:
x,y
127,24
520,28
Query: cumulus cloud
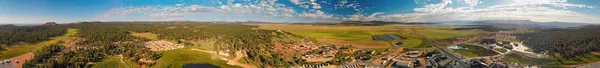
x,y
315,14
363,17
265,7
228,7
472,2
307,4
163,11
535,10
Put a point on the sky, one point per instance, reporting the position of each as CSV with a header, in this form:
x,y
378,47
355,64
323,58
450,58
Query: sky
x,y
66,11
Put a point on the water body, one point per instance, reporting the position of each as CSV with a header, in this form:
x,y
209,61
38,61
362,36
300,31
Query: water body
x,y
200,66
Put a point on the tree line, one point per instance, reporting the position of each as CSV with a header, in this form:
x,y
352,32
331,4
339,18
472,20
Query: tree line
x,y
567,43
108,39
10,35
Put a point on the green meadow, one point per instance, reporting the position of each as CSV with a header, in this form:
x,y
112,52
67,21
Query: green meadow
x,y
362,34
23,48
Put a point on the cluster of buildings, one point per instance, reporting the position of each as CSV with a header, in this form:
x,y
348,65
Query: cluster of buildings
x,y
410,59
488,62
315,66
322,52
491,43
496,62
162,45
303,48
356,66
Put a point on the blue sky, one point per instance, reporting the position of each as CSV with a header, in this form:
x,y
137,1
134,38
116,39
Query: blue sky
x,y
65,11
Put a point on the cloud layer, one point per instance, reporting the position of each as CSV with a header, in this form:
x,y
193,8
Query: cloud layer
x,y
535,10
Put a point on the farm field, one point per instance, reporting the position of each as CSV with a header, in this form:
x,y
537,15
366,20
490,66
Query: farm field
x,y
23,48
360,36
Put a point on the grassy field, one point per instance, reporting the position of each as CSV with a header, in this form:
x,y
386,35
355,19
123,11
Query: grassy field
x,y
147,35
179,57
500,50
475,51
524,58
361,35
23,48
110,62
206,45
132,63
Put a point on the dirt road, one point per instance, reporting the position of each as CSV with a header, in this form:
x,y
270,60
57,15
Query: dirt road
x,y
123,61
239,55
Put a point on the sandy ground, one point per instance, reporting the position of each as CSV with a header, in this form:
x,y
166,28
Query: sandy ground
x,y
318,59
523,49
21,59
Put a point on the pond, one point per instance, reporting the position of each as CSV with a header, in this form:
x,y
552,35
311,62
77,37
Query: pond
x,y
200,66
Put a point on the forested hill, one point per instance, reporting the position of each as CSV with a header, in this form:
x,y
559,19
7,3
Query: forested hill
x,y
567,43
29,34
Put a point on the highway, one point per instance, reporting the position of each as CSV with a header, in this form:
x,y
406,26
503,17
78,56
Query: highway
x,y
445,51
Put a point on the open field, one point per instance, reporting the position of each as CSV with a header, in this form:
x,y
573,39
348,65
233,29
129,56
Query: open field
x,y
360,36
20,49
132,63
146,35
524,58
206,45
475,51
110,62
179,57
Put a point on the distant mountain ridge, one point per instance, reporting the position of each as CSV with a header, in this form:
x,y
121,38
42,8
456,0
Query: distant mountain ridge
x,y
517,23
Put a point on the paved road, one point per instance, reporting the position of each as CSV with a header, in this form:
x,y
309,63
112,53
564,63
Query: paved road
x,y
7,65
445,51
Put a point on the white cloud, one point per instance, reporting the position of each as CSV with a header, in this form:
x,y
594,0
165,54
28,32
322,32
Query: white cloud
x,y
363,17
308,4
258,7
434,7
266,7
315,14
161,11
535,10
472,2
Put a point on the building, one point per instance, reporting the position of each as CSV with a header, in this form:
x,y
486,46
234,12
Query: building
x,y
488,41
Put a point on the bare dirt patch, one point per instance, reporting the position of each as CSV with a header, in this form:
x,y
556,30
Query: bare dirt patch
x,y
318,59
354,44
21,59
239,55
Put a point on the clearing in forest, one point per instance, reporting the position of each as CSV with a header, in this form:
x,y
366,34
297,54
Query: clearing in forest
x,y
146,35
21,49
